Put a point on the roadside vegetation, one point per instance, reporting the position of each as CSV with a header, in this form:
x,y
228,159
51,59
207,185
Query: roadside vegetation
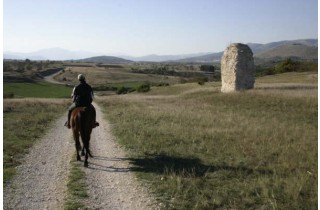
x,y
24,122
77,188
201,149
196,147
284,66
35,90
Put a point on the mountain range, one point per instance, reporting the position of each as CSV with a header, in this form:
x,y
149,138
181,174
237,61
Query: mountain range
x,y
302,48
50,54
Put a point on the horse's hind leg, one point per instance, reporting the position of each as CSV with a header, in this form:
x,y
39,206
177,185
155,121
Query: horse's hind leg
x,y
82,152
88,149
77,144
86,146
89,152
86,160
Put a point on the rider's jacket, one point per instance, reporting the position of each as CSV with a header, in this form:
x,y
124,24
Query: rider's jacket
x,y
82,94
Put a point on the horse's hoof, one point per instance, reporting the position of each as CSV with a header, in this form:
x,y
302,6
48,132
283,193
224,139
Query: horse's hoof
x,y
78,158
86,164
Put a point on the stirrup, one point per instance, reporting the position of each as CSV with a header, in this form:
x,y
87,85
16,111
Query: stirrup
x,y
67,125
96,124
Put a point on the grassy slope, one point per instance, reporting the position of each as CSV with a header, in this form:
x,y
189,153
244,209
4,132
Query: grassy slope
x,y
37,90
32,117
201,149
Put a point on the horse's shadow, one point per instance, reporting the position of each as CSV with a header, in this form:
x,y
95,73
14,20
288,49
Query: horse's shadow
x,y
103,164
185,167
164,164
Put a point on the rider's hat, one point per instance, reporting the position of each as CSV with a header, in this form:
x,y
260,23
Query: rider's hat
x,y
81,77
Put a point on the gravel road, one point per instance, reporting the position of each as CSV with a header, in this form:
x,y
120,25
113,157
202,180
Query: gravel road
x,y
41,180
112,184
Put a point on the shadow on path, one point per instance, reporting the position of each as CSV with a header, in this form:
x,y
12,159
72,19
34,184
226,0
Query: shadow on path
x,y
162,164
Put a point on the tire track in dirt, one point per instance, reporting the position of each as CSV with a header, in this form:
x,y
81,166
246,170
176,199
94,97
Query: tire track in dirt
x,y
41,179
111,183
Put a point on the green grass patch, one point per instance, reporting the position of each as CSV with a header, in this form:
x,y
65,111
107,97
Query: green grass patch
x,y
201,149
292,77
124,87
36,90
24,122
77,188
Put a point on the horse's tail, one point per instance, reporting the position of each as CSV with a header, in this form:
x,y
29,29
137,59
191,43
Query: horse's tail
x,y
86,127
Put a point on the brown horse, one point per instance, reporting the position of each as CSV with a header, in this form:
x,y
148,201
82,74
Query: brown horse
x,y
82,120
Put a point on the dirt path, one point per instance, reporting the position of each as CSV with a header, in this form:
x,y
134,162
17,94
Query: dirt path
x,y
50,78
111,184
41,180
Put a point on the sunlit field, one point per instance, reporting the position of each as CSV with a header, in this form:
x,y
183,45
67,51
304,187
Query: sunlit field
x,y
106,75
198,148
24,122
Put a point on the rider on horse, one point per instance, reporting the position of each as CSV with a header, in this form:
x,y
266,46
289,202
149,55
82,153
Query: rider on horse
x,y
82,95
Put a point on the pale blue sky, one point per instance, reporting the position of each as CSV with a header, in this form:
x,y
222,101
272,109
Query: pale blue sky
x,y
140,27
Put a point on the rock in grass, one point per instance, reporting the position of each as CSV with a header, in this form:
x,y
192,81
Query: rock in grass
x,y
237,68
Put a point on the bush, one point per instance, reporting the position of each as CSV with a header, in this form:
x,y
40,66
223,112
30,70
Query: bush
x,y
8,95
201,80
288,65
208,68
144,88
122,90
163,84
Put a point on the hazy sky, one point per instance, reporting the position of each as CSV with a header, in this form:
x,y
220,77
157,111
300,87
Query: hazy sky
x,y
140,27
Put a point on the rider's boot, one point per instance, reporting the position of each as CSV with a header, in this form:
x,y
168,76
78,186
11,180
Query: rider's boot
x,y
67,124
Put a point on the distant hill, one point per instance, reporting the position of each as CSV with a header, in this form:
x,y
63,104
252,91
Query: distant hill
x,y
49,54
209,58
257,48
300,51
160,58
303,49
105,59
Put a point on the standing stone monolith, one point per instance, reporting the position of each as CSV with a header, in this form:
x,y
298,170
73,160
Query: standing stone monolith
x,y
237,68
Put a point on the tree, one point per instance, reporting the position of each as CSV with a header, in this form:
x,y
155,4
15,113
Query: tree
x,y
207,68
288,65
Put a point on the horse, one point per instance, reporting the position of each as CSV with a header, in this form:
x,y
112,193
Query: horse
x,y
82,120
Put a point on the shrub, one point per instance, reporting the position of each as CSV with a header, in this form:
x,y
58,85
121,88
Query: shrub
x,y
163,84
144,88
288,65
122,90
208,68
8,95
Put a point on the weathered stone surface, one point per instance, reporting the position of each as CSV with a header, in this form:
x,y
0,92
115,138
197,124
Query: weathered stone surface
x,y
237,68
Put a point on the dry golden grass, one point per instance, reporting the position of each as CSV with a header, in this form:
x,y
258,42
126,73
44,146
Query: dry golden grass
x,y
32,116
101,75
202,149
291,77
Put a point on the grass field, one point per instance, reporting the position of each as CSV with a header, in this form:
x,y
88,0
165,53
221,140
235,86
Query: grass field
x,y
200,149
36,90
32,118
102,76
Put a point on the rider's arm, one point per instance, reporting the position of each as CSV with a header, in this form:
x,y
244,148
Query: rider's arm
x,y
73,95
92,95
